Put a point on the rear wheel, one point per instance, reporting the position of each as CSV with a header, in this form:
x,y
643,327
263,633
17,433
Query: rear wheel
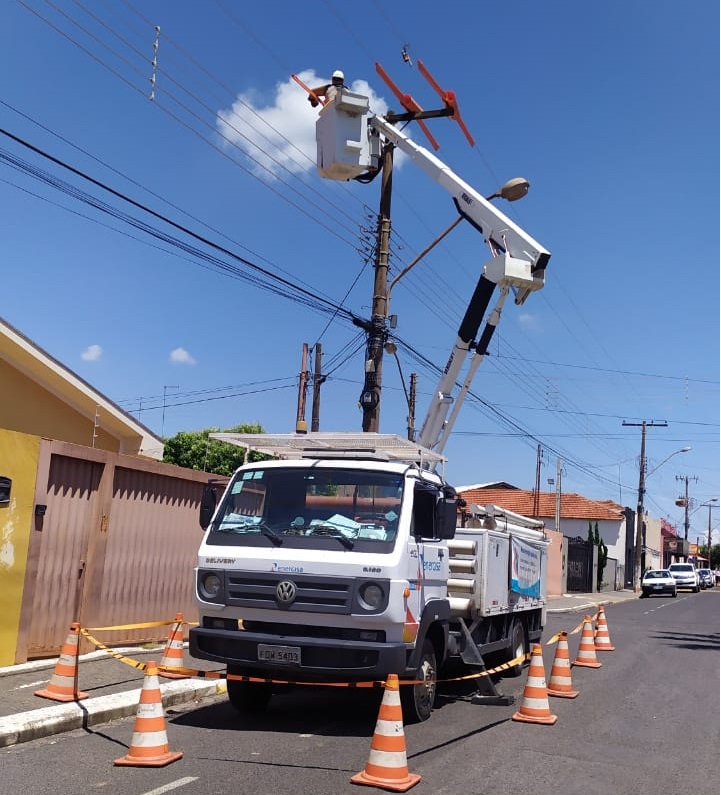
x,y
248,696
417,700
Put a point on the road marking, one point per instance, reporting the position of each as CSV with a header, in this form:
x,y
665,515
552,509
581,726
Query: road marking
x,y
181,782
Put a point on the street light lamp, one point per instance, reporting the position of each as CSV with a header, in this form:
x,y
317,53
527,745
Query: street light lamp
x,y
682,450
638,550
511,191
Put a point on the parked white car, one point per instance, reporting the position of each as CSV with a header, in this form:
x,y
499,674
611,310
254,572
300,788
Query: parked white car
x,y
658,581
686,576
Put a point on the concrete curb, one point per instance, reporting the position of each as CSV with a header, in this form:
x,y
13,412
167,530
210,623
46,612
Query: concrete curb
x,y
576,607
37,723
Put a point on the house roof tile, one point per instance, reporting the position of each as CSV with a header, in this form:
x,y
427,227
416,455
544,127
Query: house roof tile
x,y
543,505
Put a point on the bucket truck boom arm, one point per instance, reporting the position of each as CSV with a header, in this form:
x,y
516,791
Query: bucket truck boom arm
x,y
518,264
348,137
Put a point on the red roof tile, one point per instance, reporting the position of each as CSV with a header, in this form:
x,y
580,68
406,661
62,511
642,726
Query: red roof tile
x,y
528,503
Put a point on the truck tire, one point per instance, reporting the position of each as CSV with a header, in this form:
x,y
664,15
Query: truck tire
x,y
417,700
518,648
248,696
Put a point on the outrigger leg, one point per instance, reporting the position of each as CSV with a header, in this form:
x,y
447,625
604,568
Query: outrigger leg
x,y
487,692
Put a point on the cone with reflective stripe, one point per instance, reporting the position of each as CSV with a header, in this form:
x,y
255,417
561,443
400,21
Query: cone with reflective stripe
x,y
149,746
63,684
586,655
602,640
387,767
172,660
560,683
535,707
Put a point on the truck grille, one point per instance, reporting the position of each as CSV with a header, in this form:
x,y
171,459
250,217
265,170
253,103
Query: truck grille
x,y
314,594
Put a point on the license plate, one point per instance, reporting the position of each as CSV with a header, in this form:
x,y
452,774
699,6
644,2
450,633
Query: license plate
x,y
658,587
287,655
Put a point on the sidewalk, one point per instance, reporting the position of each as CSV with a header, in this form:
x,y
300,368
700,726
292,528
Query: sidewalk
x,y
114,687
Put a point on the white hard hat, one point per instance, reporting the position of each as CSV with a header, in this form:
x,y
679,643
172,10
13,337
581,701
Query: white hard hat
x,y
338,74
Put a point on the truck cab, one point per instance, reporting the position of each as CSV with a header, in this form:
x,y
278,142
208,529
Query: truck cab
x,y
330,565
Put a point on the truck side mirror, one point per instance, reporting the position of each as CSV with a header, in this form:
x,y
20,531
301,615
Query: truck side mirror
x,y
207,505
446,518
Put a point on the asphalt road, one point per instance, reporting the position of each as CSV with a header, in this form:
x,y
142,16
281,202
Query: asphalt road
x,y
646,722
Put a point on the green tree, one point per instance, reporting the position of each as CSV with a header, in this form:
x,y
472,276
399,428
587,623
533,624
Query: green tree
x,y
196,450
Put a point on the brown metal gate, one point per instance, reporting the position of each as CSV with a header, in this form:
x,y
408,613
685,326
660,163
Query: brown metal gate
x,y
72,491
115,542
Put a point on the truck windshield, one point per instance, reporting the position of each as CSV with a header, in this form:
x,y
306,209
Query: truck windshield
x,y
281,504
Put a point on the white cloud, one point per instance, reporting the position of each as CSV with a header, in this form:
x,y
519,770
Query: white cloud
x,y
528,321
181,356
92,353
281,134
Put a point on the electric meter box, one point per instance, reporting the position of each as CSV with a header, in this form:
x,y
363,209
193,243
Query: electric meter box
x,y
342,137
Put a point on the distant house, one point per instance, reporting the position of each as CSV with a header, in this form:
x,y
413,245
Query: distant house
x,y
41,396
576,512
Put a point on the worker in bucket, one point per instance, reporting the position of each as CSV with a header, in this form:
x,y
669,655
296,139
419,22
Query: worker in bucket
x,y
329,90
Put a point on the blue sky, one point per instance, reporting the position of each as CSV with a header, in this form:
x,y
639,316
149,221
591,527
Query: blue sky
x,y
610,110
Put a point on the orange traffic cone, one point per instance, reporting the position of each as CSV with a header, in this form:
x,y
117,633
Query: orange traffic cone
x,y
535,707
172,658
560,683
149,746
387,767
602,640
587,648
63,684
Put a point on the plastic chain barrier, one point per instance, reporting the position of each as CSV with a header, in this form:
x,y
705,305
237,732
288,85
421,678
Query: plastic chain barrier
x,y
574,631
198,674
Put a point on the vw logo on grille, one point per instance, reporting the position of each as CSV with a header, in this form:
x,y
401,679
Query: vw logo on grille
x,y
285,592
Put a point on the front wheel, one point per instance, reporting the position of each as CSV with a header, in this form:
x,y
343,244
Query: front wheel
x,y
417,700
248,696
518,648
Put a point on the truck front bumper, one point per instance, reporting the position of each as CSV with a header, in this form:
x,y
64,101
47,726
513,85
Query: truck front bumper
x,y
321,659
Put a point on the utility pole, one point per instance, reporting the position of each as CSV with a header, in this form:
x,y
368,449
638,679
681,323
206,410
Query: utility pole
x,y
686,479
412,409
558,494
318,380
638,548
710,505
301,426
370,398
537,492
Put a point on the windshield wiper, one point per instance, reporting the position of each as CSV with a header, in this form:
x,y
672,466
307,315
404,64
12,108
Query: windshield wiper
x,y
248,527
268,532
331,531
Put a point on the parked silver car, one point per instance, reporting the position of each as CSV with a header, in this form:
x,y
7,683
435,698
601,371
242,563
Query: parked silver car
x,y
685,576
705,577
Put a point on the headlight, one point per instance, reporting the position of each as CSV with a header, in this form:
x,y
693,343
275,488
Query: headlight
x,y
371,596
210,585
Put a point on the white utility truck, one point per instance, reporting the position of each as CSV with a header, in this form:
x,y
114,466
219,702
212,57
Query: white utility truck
x,y
340,559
